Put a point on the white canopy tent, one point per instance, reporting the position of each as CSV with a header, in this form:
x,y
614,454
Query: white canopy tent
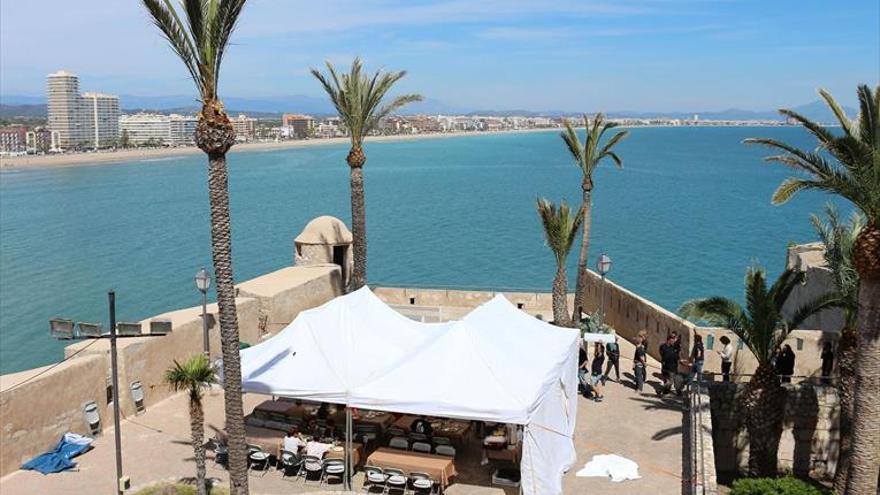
x,y
496,364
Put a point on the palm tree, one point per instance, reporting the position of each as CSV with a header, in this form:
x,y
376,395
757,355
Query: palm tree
x,y
191,377
587,157
762,326
200,43
847,164
839,238
560,229
357,98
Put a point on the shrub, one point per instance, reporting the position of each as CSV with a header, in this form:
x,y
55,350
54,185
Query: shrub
x,y
181,488
775,486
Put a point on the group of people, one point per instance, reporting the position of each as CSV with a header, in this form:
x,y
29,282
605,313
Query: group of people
x,y
601,353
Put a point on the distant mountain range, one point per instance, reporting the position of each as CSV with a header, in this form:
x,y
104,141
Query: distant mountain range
x,y
269,107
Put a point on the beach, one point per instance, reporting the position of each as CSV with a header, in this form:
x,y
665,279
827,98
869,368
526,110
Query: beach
x,y
133,155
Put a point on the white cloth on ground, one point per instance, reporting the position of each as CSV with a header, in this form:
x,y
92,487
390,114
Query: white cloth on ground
x,y
617,467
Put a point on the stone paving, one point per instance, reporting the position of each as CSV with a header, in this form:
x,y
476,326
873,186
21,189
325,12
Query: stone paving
x,y
643,428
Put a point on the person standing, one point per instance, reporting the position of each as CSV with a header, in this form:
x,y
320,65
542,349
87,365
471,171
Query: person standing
x,y
827,362
612,352
669,363
596,371
726,354
785,364
697,358
640,364
583,370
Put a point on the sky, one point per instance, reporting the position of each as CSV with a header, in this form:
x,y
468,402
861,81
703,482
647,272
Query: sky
x,y
583,55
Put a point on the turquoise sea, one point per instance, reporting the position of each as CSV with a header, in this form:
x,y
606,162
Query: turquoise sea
x,y
684,218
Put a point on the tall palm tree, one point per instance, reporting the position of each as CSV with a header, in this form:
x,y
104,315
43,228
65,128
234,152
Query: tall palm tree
x,y
191,377
357,98
201,41
839,237
847,163
560,229
587,157
762,326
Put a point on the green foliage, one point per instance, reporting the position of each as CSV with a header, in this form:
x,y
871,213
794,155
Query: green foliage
x,y
178,489
761,324
560,227
775,486
202,40
839,237
358,97
191,376
852,172
589,154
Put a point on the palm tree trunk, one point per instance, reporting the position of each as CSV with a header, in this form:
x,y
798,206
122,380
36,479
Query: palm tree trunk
x,y
221,245
764,409
197,425
863,469
560,304
356,160
581,284
846,366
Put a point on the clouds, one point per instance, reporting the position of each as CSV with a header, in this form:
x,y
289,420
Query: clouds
x,y
620,54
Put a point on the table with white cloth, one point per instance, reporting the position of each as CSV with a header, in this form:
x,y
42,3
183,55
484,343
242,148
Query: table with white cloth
x,y
453,429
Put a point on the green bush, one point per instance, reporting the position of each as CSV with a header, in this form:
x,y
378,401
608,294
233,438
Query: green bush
x,y
181,488
775,486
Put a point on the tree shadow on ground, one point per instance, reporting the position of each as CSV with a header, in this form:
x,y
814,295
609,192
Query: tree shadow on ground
x,y
659,403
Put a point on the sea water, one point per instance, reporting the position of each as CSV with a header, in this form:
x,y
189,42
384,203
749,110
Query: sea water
x,y
684,218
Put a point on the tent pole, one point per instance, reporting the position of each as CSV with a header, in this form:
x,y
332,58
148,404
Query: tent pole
x,y
348,446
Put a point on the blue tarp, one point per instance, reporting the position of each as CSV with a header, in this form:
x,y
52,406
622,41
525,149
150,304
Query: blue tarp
x,y
59,458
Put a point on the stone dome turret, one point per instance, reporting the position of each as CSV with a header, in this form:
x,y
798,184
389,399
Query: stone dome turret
x,y
325,230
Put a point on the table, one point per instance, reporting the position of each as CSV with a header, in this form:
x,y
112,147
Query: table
x,y
507,455
381,419
451,428
268,407
267,439
442,469
357,451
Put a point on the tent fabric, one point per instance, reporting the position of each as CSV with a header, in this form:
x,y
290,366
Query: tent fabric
x,y
59,457
496,364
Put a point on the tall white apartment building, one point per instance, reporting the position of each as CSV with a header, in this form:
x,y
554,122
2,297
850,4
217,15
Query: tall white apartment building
x,y
171,129
81,120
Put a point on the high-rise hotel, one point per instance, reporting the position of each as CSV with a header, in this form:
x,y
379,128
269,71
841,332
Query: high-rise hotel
x,y
87,120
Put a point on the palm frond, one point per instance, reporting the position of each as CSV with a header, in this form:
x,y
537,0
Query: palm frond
x,y
838,111
560,227
816,305
573,143
166,19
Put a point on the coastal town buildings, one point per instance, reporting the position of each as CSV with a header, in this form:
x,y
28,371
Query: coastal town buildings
x,y
298,126
41,140
157,129
13,139
82,120
245,127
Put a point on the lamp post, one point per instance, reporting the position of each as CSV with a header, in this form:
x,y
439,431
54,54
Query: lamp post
x,y
203,282
64,329
603,265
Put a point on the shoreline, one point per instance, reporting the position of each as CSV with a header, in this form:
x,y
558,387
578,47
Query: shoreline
x,y
135,155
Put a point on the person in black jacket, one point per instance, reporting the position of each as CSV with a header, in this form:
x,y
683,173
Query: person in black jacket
x,y
612,353
827,362
785,364
596,371
669,358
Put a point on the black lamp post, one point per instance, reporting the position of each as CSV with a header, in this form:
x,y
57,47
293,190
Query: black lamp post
x,y
603,265
203,283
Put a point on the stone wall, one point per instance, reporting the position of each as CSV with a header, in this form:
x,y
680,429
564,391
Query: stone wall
x,y
34,415
810,430
701,445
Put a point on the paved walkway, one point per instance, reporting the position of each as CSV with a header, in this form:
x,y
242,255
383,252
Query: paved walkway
x,y
156,447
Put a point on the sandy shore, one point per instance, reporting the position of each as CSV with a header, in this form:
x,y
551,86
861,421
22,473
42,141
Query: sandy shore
x,y
106,157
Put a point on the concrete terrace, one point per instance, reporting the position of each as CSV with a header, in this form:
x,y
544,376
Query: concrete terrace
x,y
156,447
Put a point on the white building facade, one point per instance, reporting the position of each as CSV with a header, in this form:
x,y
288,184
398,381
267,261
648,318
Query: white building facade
x,y
89,120
152,128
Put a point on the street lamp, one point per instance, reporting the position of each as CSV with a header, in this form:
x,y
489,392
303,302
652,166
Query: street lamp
x,y
203,282
603,265
61,328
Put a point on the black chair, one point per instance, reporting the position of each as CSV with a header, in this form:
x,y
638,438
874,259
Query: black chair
x,y
289,464
374,477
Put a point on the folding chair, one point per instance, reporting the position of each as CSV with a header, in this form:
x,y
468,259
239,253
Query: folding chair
x,y
421,447
374,477
333,467
396,480
422,482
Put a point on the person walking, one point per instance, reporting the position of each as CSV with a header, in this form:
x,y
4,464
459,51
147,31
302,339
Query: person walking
x,y
640,364
596,371
612,353
697,358
827,362
726,354
583,370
